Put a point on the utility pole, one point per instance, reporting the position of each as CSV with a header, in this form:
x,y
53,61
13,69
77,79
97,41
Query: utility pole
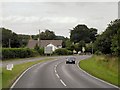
x,y
9,43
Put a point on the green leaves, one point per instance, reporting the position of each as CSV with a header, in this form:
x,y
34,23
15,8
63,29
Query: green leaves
x,y
108,42
83,33
9,53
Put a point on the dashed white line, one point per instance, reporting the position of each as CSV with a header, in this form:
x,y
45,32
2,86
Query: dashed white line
x,y
63,82
55,71
55,65
57,75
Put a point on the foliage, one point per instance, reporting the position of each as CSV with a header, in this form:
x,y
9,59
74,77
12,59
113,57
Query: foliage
x,y
39,50
9,53
47,35
83,33
108,41
14,39
62,51
88,47
24,39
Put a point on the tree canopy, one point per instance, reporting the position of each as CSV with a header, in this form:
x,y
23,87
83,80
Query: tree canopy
x,y
83,33
14,39
108,41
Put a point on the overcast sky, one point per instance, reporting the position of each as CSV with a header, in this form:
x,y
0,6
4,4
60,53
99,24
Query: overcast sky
x,y
29,17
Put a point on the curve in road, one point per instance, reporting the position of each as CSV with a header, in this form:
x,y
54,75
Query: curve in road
x,y
57,74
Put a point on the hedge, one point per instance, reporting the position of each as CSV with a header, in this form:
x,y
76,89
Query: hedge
x,y
63,51
9,53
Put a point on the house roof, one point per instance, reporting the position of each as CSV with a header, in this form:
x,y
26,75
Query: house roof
x,y
44,43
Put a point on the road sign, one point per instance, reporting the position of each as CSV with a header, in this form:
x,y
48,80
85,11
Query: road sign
x,y
10,67
48,50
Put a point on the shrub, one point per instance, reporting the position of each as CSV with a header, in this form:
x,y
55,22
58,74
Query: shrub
x,y
98,52
9,53
62,51
41,51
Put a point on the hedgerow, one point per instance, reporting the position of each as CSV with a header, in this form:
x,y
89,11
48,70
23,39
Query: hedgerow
x,y
63,51
9,53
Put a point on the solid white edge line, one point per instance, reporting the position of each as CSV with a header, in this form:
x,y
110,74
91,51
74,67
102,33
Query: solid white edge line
x,y
22,75
63,82
96,77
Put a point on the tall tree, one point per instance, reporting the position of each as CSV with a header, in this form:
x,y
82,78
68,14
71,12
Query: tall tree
x,y
83,33
108,41
47,35
9,37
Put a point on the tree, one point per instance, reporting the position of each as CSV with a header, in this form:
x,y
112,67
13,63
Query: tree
x,y
14,39
6,35
82,32
47,35
108,41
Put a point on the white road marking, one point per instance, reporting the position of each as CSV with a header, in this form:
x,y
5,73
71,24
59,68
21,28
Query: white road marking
x,y
55,71
55,65
57,75
22,75
63,82
96,77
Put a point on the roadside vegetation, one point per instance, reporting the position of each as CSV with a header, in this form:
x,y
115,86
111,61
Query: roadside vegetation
x,y
8,77
9,53
107,48
83,40
103,67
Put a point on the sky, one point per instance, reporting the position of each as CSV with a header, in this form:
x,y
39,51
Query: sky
x,y
60,17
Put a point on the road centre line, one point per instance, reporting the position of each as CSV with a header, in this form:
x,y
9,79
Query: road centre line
x,y
57,75
63,82
14,83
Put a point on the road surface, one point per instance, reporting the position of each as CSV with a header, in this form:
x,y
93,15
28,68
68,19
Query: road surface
x,y
57,74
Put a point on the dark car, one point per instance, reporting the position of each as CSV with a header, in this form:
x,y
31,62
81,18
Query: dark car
x,y
70,60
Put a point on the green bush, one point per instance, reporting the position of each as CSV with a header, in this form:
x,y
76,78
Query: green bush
x,y
9,53
63,51
98,52
41,51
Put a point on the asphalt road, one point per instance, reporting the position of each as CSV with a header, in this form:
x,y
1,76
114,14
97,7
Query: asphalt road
x,y
57,74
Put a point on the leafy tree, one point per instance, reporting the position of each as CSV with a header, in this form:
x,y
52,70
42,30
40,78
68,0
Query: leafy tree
x,y
103,44
82,32
47,35
108,41
24,39
6,35
14,39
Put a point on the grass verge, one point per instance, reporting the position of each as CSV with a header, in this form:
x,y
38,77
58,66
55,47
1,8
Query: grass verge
x,y
8,77
103,67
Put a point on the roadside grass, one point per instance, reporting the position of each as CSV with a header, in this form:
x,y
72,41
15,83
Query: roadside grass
x,y
103,67
8,77
17,59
